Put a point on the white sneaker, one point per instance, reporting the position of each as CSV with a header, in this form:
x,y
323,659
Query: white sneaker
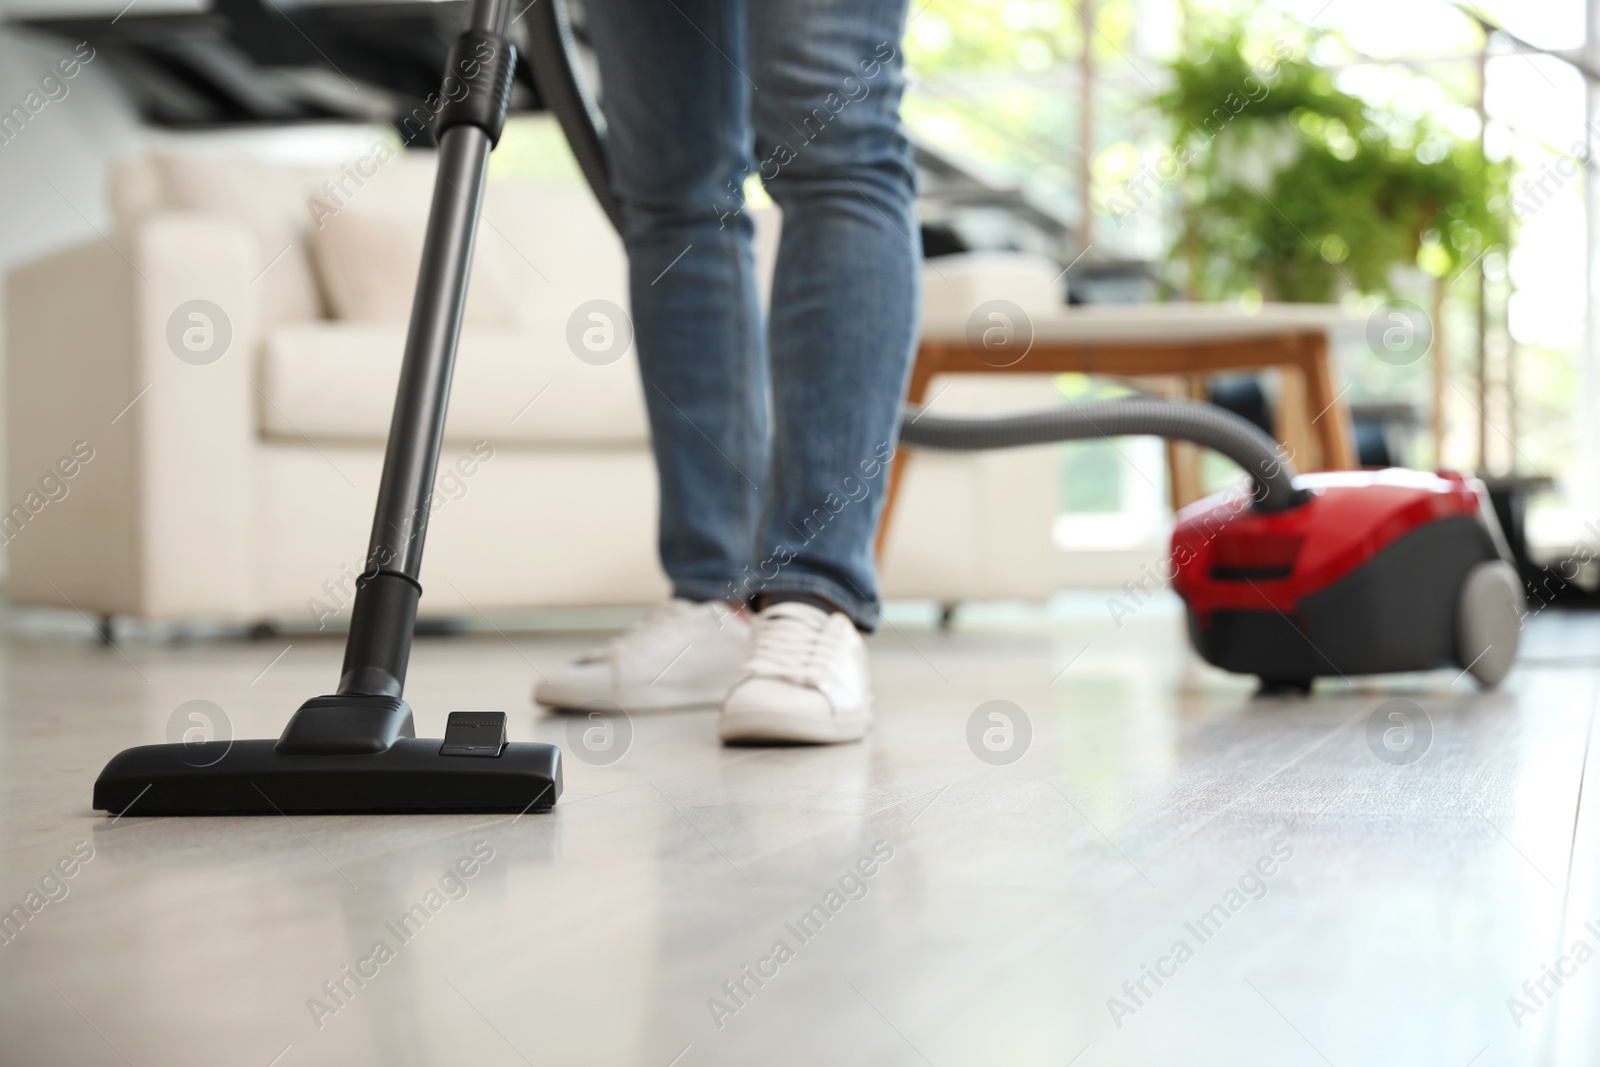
x,y
684,654
805,681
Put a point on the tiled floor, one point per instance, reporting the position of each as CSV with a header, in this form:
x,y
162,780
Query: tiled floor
x,y
1172,872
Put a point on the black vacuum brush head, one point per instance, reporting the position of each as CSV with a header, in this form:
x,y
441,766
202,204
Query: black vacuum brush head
x,y
411,776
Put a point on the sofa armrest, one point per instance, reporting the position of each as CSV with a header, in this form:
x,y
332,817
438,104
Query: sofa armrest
x,y
155,520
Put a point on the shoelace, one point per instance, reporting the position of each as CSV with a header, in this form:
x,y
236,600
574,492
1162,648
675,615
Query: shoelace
x,y
791,644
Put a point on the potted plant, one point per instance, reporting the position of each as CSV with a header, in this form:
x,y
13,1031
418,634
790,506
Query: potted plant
x,y
1293,189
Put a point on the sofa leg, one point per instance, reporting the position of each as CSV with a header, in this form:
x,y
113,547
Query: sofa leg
x,y
947,616
104,629
261,630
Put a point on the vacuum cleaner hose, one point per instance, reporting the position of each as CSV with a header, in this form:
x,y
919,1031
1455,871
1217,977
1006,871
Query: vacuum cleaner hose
x,y
1183,420
554,55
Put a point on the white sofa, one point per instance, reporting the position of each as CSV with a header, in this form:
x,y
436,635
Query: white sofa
x,y
242,488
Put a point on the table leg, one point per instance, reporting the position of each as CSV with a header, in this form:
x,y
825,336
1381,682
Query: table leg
x,y
922,372
1329,417
1292,421
1184,485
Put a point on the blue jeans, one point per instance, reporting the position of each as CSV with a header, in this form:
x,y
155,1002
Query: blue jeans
x,y
772,439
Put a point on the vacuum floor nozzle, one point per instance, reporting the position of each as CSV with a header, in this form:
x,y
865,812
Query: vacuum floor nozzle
x,y
412,776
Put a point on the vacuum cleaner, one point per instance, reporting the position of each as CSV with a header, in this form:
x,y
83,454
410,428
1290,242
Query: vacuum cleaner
x,y
1336,573
356,751
1369,572
1331,574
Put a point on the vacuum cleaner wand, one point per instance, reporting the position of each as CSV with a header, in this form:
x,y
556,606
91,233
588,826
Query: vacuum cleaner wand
x,y
356,751
386,600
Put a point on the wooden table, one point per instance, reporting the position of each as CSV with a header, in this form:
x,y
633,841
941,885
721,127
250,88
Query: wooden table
x,y
1182,343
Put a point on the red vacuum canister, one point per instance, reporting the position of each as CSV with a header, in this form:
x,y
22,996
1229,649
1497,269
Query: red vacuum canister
x,y
1376,571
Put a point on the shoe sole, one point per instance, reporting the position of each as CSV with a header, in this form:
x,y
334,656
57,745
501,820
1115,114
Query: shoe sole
x,y
769,726
554,696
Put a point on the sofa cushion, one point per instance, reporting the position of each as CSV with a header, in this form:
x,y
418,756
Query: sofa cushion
x,y
368,255
271,202
558,247
335,381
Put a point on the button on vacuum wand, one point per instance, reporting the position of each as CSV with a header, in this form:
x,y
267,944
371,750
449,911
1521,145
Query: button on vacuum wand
x,y
474,733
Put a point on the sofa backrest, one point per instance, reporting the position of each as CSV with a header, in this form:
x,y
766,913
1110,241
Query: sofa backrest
x,y
268,200
547,246
548,238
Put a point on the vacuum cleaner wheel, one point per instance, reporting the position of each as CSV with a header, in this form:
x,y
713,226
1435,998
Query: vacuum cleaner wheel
x,y
1489,621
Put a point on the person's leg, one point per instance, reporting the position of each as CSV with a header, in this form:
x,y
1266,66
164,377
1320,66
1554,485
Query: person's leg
x,y
677,105
677,110
844,312
845,299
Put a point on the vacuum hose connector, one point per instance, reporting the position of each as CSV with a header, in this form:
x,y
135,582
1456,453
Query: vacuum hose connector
x,y
477,83
1184,420
379,646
